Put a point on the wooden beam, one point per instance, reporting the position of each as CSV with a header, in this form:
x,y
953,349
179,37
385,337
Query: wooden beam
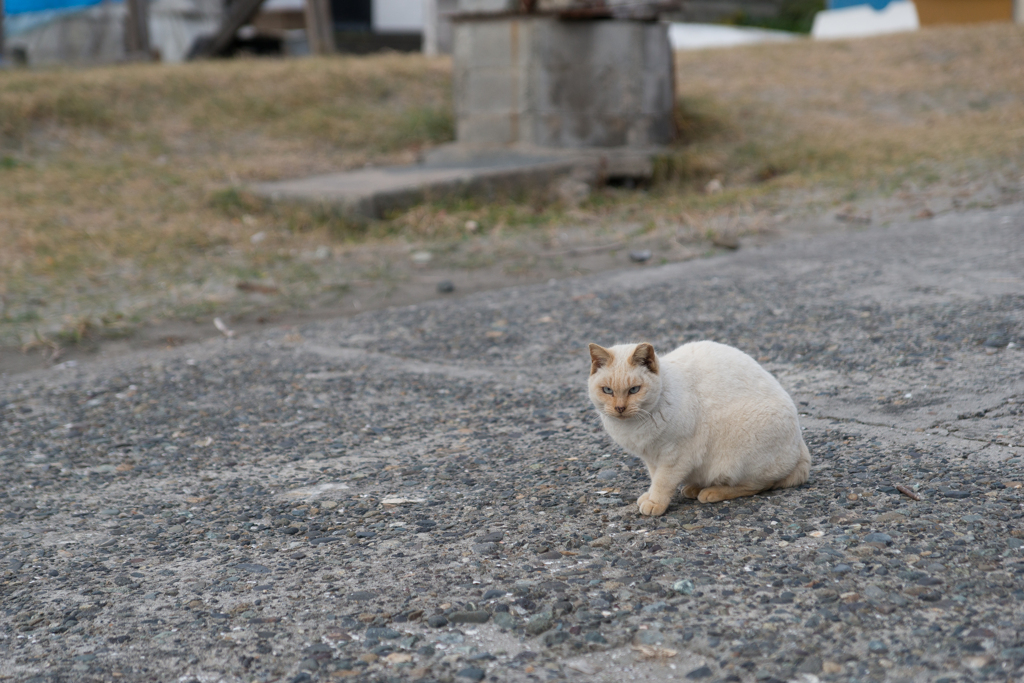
x,y
136,30
2,53
320,27
240,13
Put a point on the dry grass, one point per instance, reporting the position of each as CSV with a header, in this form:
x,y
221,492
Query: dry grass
x,y
119,196
870,113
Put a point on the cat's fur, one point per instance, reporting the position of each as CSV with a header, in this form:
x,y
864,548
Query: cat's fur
x,y
706,416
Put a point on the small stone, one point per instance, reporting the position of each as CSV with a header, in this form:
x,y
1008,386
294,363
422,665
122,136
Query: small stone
x,y
552,638
640,255
437,620
842,569
550,555
374,633
445,287
472,673
649,637
539,623
504,620
595,637
493,537
362,596
957,494
702,672
474,617
810,665
493,593
608,474
877,647
601,542
874,592
684,586
485,548
830,667
878,537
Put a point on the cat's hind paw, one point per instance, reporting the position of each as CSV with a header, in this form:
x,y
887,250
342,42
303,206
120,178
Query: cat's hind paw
x,y
691,491
650,508
716,494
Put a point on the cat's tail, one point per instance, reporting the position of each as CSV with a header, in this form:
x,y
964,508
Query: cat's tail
x,y
800,472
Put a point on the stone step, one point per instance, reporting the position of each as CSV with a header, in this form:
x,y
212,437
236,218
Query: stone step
x,y
454,171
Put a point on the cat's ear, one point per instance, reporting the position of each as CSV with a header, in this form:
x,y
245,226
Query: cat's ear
x,y
644,355
599,357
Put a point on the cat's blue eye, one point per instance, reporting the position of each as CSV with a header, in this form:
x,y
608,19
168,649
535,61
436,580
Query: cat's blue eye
x,y
607,390
633,390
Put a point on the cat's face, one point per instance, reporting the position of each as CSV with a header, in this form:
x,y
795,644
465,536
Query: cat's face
x,y
623,379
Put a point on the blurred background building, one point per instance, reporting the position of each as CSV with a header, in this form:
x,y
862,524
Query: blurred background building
x,y
101,31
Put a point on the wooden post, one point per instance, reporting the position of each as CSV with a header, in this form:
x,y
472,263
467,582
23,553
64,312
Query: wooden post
x,y
320,27
430,17
238,14
2,53
136,35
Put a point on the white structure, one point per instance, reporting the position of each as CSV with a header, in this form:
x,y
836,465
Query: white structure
x,y
864,20
398,16
703,36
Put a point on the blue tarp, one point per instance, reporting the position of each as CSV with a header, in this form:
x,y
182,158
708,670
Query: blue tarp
x,y
839,4
26,6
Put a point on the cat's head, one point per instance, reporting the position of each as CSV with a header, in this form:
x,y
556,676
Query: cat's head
x,y
624,379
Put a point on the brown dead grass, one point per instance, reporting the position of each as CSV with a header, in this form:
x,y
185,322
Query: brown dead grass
x,y
868,112
119,198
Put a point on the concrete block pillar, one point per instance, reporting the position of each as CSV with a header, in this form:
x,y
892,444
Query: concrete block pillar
x,y
539,80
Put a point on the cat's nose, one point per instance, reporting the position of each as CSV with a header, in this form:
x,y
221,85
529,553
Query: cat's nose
x,y
621,409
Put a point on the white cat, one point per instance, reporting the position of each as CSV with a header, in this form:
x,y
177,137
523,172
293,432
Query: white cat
x,y
705,415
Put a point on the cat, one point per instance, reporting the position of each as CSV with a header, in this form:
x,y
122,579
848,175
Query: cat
x,y
706,416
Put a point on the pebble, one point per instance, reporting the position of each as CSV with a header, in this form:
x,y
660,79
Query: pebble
x,y
472,673
640,255
539,623
437,620
504,620
382,633
362,596
684,586
485,548
474,617
878,538
445,287
701,672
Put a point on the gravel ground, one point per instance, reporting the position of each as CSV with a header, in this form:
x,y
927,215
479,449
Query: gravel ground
x,y
425,493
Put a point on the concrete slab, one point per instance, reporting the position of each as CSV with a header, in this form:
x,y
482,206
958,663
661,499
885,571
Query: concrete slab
x,y
458,170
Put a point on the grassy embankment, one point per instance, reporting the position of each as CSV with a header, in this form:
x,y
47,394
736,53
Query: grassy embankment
x,y
119,186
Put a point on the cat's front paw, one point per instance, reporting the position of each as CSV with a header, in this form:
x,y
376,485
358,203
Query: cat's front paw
x,y
691,491
650,508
